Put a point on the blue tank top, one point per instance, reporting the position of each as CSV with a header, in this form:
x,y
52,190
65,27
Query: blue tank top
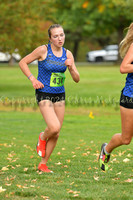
x,y
47,67
128,89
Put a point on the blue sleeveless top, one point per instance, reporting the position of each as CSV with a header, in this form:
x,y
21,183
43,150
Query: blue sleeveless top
x,y
49,65
128,89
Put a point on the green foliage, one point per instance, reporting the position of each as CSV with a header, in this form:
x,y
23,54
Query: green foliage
x,y
24,24
20,25
99,20
92,17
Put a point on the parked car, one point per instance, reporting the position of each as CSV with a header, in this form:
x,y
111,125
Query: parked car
x,y
5,57
109,53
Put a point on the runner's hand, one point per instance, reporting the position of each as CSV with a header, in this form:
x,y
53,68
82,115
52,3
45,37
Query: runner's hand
x,y
36,84
69,63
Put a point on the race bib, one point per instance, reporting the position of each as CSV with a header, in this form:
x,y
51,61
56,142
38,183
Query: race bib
x,y
57,79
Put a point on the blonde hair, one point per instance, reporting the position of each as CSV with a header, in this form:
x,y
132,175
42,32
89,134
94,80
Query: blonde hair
x,y
127,41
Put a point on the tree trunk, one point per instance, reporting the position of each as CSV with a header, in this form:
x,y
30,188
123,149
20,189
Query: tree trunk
x,y
75,49
11,61
120,38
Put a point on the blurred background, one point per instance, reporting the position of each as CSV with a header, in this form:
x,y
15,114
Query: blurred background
x,y
89,25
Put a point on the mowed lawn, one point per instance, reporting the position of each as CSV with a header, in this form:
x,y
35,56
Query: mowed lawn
x,y
74,161
96,82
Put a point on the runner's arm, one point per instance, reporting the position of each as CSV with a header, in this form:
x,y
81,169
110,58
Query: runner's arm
x,y
126,66
35,55
71,66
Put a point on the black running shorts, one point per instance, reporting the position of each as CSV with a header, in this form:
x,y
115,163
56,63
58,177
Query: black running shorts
x,y
126,101
49,96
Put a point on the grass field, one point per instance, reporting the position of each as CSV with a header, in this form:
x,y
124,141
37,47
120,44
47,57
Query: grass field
x,y
96,82
74,160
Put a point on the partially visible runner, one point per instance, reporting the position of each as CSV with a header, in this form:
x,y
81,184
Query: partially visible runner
x,y
126,102
53,61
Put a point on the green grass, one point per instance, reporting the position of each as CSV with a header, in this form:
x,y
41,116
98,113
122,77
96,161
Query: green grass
x,y
76,152
96,83
74,160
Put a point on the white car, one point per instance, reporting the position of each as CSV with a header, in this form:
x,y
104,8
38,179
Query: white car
x,y
109,53
5,57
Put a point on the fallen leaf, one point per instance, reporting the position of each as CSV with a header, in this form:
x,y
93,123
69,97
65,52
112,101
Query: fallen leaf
x,y
70,191
126,160
4,169
60,181
59,163
96,178
2,190
118,173
7,178
73,156
77,148
76,195
25,187
31,156
72,183
12,178
73,152
19,186
34,180
114,160
95,167
129,180
10,155
68,161
121,153
8,184
76,192
114,179
66,172
65,166
113,155
39,172
84,154
32,186
25,169
18,165
129,155
96,154
45,197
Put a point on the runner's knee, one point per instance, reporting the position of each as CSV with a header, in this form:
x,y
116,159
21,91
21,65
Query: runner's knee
x,y
55,128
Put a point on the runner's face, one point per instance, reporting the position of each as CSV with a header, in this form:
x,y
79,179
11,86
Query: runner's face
x,y
57,37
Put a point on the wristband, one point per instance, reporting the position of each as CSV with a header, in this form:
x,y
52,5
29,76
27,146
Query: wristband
x,y
30,76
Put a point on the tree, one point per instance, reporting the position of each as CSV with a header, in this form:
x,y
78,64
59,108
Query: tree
x,y
97,19
24,24
20,25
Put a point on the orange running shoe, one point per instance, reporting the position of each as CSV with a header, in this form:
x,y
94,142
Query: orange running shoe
x,y
41,146
44,168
